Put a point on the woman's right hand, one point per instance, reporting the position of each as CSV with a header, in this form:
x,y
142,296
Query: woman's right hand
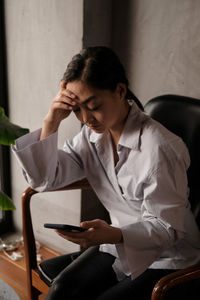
x,y
60,109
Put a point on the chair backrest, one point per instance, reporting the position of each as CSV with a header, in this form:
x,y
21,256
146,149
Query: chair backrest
x,y
181,115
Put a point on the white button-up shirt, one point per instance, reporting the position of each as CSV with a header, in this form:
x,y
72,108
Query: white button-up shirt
x,y
146,193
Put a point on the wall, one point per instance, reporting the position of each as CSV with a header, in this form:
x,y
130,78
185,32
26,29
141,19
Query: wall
x,y
42,36
159,43
97,23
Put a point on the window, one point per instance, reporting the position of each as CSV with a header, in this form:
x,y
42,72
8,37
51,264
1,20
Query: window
x,y
5,216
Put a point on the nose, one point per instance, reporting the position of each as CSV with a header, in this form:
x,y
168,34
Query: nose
x,y
87,116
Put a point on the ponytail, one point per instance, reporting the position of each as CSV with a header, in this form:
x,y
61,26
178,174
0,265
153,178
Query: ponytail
x,y
131,96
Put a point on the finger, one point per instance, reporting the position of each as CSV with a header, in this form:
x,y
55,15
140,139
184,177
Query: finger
x,y
63,105
65,99
63,84
70,233
63,235
93,223
65,91
69,94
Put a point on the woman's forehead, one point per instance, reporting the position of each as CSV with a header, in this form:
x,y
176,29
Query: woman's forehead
x,y
81,90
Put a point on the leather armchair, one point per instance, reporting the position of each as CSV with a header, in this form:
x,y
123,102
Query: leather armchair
x,y
179,114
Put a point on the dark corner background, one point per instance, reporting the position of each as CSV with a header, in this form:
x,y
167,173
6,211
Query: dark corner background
x,y
5,179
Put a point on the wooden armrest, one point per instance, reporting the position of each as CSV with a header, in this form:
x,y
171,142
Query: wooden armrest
x,y
173,279
81,184
28,234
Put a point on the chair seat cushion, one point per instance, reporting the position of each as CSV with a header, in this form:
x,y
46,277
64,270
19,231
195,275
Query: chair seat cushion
x,y
50,268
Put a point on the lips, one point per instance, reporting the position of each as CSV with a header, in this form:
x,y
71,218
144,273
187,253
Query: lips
x,y
95,126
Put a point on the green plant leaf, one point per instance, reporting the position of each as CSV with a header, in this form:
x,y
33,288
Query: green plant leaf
x,y
9,132
5,202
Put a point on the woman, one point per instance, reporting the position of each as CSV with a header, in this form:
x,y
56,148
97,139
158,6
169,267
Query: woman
x,y
137,169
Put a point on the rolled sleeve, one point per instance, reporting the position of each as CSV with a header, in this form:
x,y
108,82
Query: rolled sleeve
x,y
143,243
44,166
163,213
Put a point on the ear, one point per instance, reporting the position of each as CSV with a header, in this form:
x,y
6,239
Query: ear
x,y
121,90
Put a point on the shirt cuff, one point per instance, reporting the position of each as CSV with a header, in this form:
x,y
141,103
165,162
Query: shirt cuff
x,y
29,139
122,256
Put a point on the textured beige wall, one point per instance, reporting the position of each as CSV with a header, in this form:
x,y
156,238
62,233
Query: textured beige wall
x,y
159,43
41,38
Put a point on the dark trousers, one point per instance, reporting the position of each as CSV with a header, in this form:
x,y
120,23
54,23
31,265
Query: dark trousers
x,y
90,276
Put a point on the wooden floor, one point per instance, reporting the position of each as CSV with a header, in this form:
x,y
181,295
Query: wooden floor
x,y
14,272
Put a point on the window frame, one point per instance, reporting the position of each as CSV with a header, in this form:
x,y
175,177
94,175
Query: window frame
x,y
6,223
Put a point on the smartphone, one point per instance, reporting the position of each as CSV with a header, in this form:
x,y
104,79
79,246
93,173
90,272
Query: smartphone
x,y
67,227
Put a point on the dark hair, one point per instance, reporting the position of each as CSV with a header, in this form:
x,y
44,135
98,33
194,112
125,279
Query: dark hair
x,y
99,67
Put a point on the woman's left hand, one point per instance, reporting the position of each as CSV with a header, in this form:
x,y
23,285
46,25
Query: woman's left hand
x,y
98,232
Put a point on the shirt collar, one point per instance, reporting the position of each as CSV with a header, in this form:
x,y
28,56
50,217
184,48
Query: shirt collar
x,y
131,135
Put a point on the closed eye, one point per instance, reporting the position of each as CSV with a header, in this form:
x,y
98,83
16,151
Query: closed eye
x,y
94,108
77,110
